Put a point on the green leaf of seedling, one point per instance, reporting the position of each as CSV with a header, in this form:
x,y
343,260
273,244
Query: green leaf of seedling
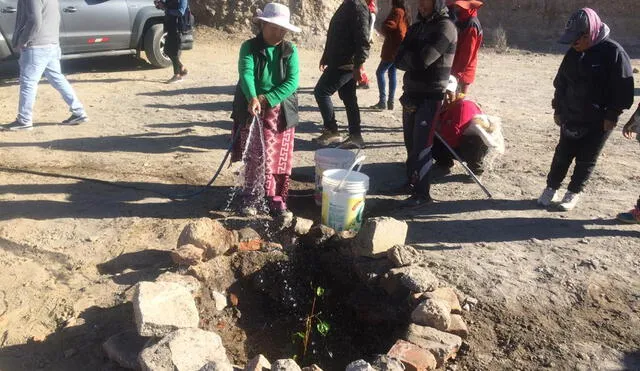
x,y
299,334
319,291
323,327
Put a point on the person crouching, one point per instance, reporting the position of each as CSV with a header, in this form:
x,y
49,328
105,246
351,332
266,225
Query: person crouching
x,y
265,111
467,130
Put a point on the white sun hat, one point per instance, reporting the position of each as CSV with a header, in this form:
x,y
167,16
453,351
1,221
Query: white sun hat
x,y
277,14
452,86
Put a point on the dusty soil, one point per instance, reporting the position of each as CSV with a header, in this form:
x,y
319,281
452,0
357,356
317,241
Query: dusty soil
x,y
83,212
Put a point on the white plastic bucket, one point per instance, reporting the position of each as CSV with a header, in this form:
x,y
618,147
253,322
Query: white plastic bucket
x,y
330,158
342,209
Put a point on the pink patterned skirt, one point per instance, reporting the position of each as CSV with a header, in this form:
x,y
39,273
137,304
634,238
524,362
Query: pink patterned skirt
x,y
268,158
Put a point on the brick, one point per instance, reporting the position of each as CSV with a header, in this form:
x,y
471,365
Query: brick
x,y
162,307
412,356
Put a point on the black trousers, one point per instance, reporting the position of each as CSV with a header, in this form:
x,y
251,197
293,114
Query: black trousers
x,y
172,43
585,151
332,80
471,150
418,128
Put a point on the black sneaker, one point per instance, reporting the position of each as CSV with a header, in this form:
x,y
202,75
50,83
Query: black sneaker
x,y
328,137
75,120
17,126
353,141
378,106
390,105
416,200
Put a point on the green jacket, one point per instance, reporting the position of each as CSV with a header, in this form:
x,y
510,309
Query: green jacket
x,y
289,104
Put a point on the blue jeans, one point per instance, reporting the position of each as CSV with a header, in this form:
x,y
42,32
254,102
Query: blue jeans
x,y
390,68
34,62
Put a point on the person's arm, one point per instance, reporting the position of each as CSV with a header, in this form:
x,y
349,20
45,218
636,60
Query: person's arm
x,y
361,35
620,88
34,20
439,45
560,84
290,83
406,58
246,71
465,49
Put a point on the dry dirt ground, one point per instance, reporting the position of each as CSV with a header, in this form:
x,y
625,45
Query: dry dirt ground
x,y
556,290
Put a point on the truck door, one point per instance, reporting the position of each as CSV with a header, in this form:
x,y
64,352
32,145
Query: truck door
x,y
8,10
94,25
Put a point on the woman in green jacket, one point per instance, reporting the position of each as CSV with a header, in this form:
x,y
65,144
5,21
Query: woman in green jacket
x,y
265,111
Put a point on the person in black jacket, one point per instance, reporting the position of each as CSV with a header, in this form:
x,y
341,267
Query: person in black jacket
x,y
426,54
593,86
345,51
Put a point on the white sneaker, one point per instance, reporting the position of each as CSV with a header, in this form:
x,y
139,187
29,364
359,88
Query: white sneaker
x,y
569,201
549,196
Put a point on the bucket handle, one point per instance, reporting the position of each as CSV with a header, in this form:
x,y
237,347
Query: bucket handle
x,y
358,161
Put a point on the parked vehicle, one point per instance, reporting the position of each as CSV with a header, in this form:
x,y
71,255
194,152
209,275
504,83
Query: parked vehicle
x,y
92,28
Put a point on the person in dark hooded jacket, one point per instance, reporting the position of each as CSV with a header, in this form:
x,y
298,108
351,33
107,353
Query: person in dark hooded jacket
x,y
593,86
426,55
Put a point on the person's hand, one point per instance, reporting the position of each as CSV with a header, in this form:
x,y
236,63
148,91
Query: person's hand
x,y
557,119
609,125
322,66
254,107
627,130
159,4
357,74
263,101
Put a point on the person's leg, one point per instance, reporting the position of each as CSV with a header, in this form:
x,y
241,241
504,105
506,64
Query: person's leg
x,y
328,83
408,123
423,134
562,159
473,151
347,92
392,84
441,154
32,63
588,151
55,77
382,85
172,44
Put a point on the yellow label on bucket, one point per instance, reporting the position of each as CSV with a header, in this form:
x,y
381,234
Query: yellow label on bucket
x,y
342,216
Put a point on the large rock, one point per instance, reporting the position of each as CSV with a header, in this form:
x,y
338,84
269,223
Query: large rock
x,y
207,234
187,255
378,235
189,282
217,366
184,350
412,356
403,255
447,295
123,348
318,236
162,307
303,226
442,345
386,363
258,363
217,273
433,313
285,365
359,365
458,326
406,280
313,367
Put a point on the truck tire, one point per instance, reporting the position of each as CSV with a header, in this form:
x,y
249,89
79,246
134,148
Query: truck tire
x,y
154,46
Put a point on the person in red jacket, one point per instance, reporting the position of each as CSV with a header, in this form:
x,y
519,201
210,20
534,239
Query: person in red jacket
x,y
394,29
469,41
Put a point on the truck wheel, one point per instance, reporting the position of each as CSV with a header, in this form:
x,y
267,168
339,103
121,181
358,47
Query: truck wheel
x,y
154,46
